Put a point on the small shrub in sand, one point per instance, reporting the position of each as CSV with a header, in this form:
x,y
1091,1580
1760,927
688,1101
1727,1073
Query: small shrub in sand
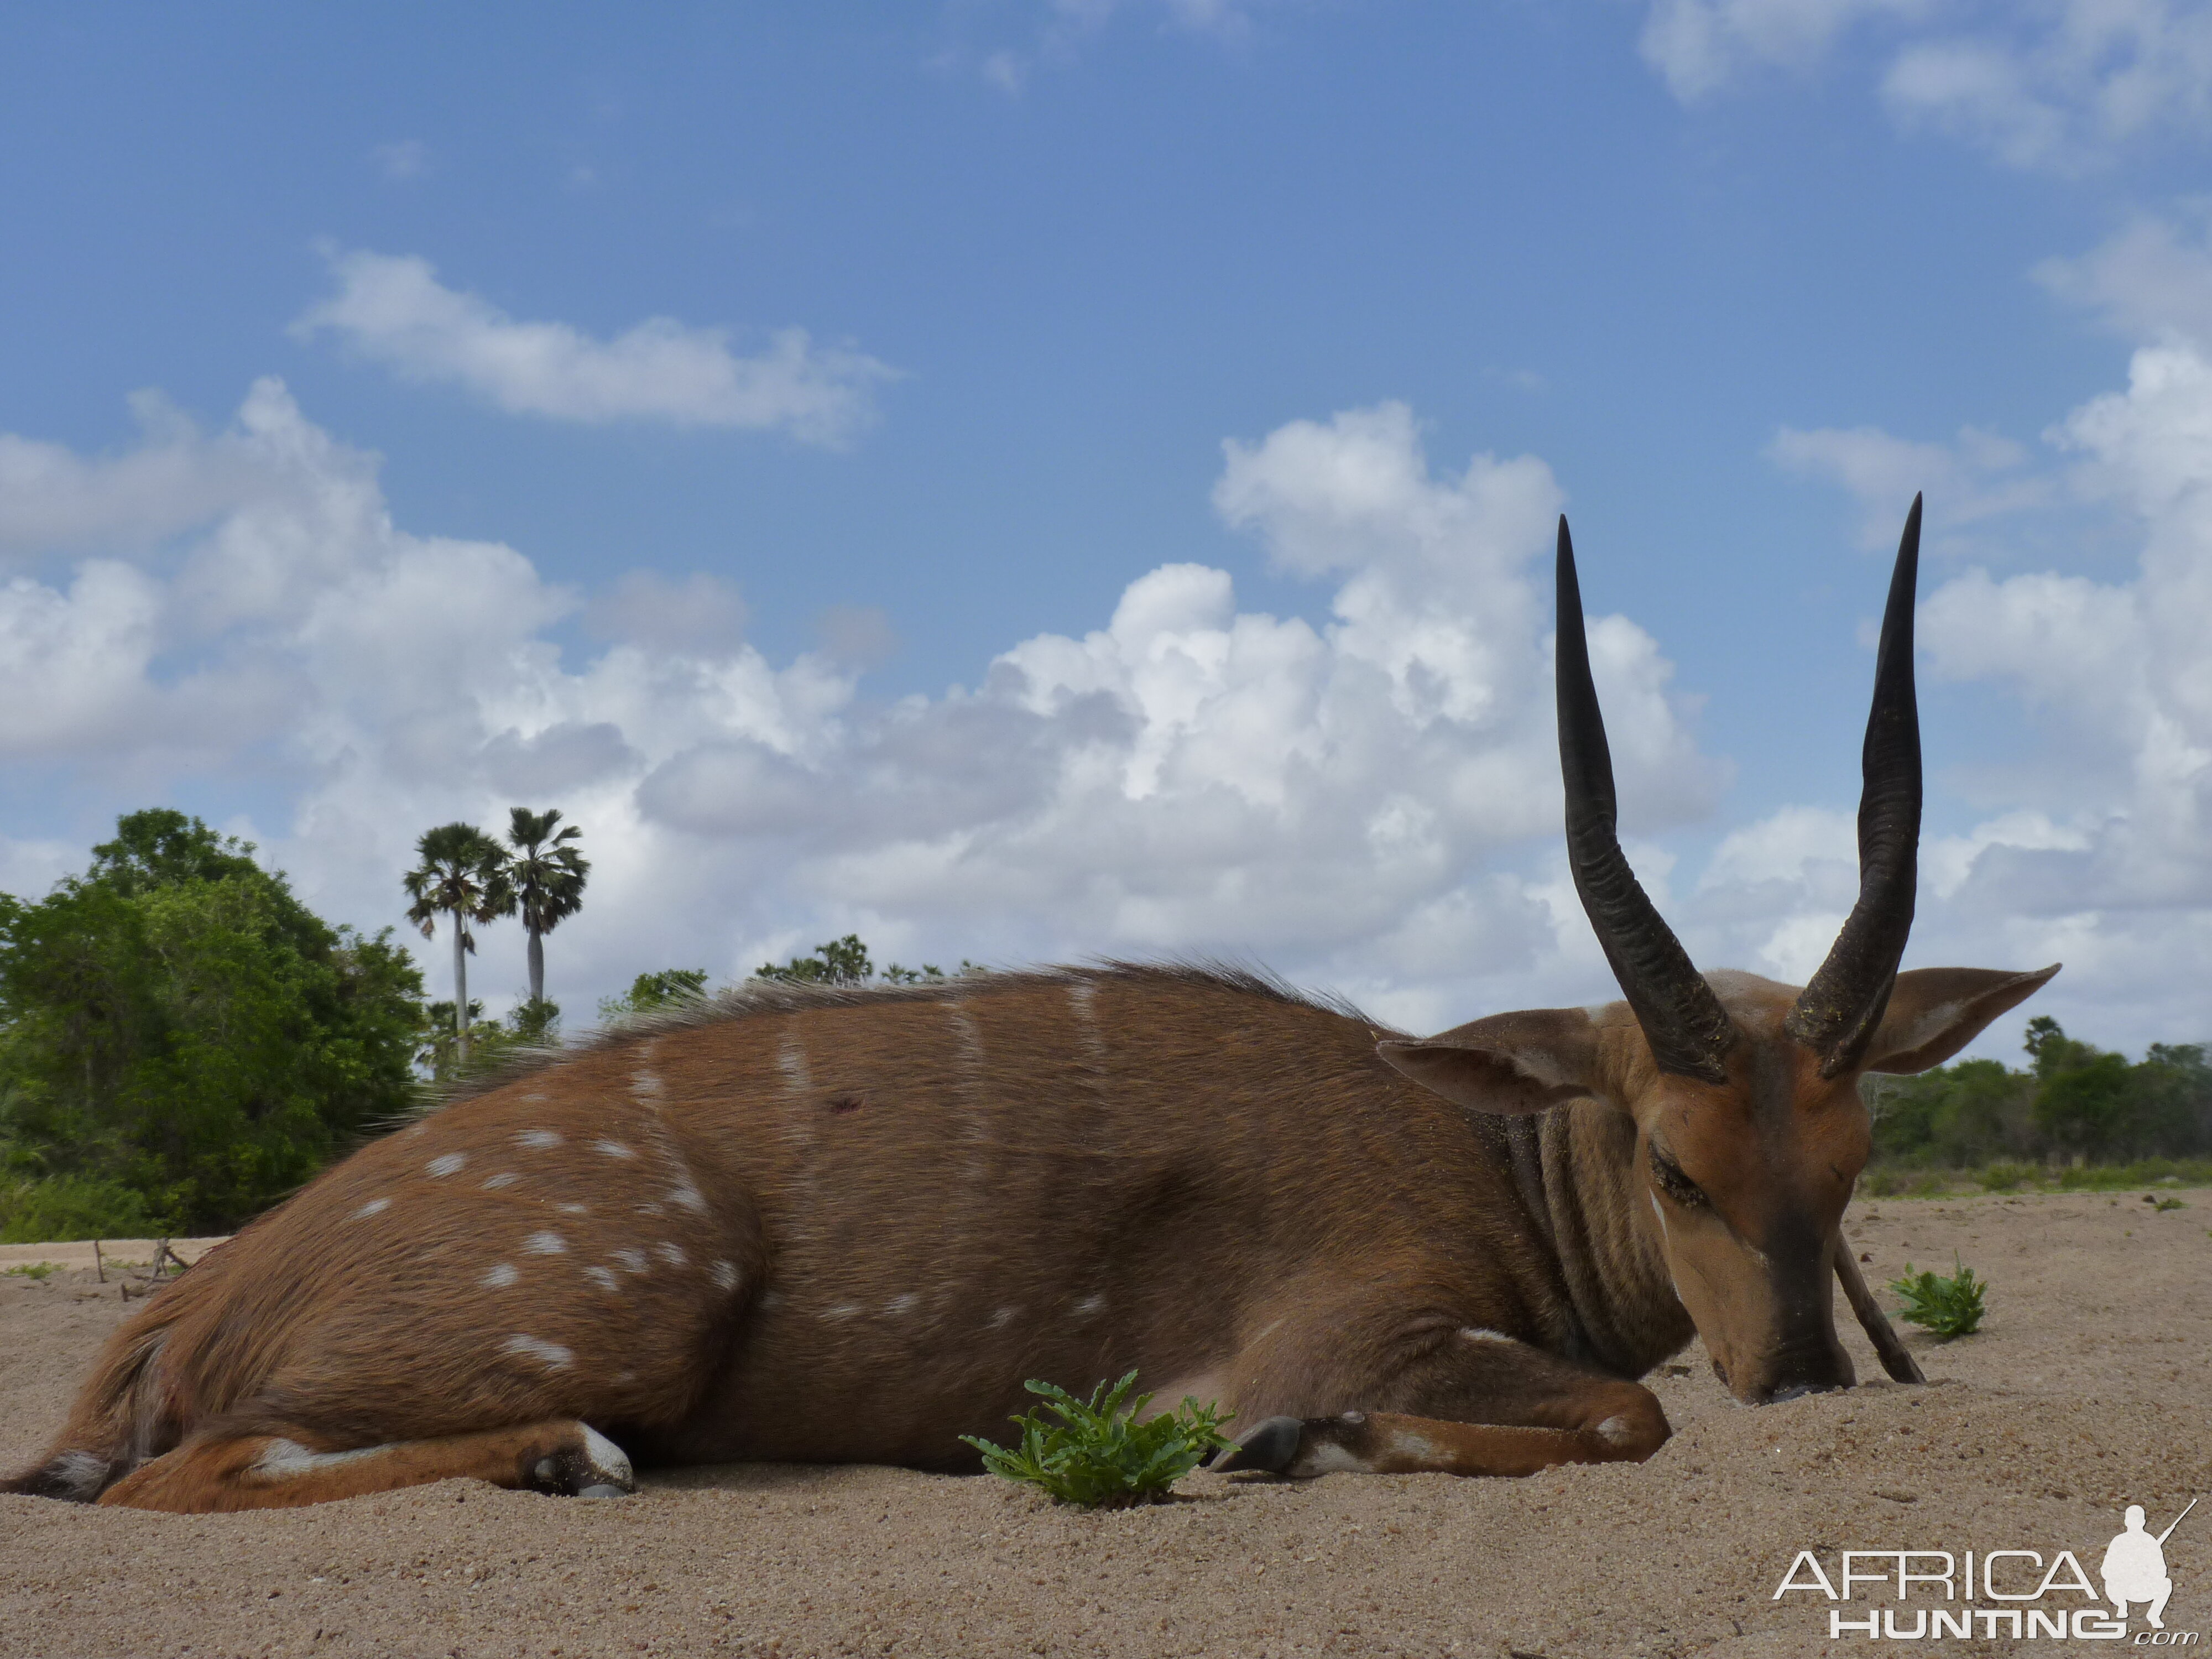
x,y
1096,1455
1949,1307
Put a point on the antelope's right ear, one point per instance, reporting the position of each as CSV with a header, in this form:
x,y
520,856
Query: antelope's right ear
x,y
1519,1062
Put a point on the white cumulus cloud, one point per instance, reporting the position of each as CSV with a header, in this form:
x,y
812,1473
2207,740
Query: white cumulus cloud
x,y
2097,847
1368,799
393,310
1360,801
1978,474
2054,84
2152,279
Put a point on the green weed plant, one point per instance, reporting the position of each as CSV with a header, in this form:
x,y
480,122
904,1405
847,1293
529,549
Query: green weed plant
x,y
1950,1308
1095,1455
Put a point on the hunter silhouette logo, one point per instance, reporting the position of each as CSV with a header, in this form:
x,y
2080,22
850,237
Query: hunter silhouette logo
x,y
2135,1567
2026,1595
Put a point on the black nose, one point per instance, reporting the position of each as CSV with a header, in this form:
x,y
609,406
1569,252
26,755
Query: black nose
x,y
1798,1391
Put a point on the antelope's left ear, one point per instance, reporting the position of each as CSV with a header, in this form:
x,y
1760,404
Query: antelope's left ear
x,y
1936,1012
1519,1062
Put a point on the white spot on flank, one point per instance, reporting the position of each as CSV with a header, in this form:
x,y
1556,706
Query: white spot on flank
x,y
284,1457
504,1178
539,1139
545,1244
842,1310
689,1197
1004,1317
1616,1429
374,1206
451,1163
500,1277
538,1348
900,1305
646,1086
671,1254
1090,1305
725,1274
632,1260
612,1149
602,1278
651,1209
574,1209
536,1095
1481,1333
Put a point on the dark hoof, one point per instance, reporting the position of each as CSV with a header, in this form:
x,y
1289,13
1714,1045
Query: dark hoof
x,y
1270,1447
593,1468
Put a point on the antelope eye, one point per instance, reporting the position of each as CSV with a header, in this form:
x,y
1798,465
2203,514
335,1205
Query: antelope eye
x,y
1667,1176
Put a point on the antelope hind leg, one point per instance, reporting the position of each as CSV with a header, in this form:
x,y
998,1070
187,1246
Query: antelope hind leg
x,y
214,1471
1483,1405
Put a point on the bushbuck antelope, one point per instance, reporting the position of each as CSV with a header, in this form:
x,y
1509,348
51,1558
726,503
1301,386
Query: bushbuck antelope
x,y
845,1225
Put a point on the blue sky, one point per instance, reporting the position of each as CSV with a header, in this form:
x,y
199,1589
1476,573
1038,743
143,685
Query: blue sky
x,y
351,485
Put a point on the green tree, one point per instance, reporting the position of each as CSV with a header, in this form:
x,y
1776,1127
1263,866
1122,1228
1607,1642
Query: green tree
x,y
840,961
463,875
547,873
1967,1113
672,988
182,1041
2084,1096
845,962
2172,1089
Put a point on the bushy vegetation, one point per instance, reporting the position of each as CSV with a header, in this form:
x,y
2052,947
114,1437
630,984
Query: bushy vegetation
x,y
182,1041
1950,1308
672,988
1095,1454
845,962
2076,1107
491,1043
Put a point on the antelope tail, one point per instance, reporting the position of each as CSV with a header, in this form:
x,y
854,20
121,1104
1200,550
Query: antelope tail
x,y
126,1414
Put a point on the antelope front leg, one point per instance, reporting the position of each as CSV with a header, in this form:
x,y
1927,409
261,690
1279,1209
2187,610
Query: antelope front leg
x,y
1389,1442
1493,1407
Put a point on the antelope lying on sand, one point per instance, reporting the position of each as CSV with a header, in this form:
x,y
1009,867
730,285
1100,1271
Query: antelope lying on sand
x,y
839,1224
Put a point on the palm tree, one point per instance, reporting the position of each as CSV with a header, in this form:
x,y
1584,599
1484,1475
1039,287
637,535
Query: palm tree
x,y
464,875
548,875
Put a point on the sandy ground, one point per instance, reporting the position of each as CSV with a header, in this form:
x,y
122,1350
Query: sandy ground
x,y
2087,1390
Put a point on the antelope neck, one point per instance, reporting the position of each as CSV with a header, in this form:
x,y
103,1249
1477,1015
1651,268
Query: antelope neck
x,y
1621,1297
